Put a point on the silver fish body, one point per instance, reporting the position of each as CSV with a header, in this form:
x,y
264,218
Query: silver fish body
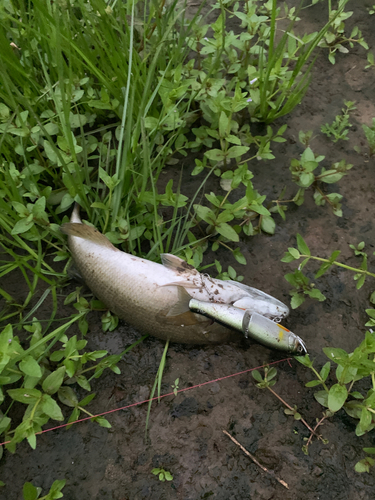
x,y
148,295
253,325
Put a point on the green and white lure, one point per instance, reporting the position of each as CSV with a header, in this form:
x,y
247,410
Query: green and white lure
x,y
253,325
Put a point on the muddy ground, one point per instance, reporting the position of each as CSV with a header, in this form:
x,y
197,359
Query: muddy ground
x,y
186,432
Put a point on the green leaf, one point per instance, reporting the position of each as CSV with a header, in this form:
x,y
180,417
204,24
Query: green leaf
x,y
322,398
51,408
356,395
268,225
237,151
49,151
4,422
323,268
297,300
365,420
83,382
227,231
51,128
52,383
362,466
67,396
272,372
315,293
294,253
55,491
102,422
302,247
31,439
205,214
288,257
29,492
361,282
23,225
223,125
29,366
335,354
215,155
85,401
304,360
324,372
336,397
313,383
239,257
257,376
27,396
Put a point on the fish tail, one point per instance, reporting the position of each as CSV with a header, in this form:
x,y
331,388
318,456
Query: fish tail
x,y
85,232
75,217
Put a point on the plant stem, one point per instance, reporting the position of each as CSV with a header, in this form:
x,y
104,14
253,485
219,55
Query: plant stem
x,y
292,409
317,425
320,378
362,271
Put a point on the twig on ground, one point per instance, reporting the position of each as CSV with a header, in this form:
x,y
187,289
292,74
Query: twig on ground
x,y
256,461
313,431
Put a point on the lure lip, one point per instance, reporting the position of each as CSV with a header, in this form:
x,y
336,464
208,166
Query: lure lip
x,y
299,346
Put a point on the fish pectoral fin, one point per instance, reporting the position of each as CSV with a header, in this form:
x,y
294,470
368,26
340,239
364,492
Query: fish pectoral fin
x,y
182,304
176,264
87,233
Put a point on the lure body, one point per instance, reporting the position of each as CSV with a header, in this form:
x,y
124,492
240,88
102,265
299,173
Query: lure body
x,y
253,325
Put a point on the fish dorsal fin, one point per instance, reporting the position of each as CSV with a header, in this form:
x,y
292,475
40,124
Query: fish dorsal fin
x,y
176,264
87,233
182,305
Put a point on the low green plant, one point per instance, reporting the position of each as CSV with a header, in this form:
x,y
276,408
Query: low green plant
x,y
298,279
303,175
45,377
370,60
175,386
351,368
162,474
340,127
31,492
335,39
370,136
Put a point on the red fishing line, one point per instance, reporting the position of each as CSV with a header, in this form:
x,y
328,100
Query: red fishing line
x,y
157,397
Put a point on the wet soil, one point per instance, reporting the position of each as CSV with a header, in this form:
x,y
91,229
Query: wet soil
x,y
185,435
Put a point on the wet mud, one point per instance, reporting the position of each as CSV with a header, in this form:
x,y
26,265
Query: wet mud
x,y
186,431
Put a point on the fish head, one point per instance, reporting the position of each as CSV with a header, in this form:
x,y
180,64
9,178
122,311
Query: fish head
x,y
261,303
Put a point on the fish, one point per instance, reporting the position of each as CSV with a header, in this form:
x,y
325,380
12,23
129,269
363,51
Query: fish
x,y
253,325
147,295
